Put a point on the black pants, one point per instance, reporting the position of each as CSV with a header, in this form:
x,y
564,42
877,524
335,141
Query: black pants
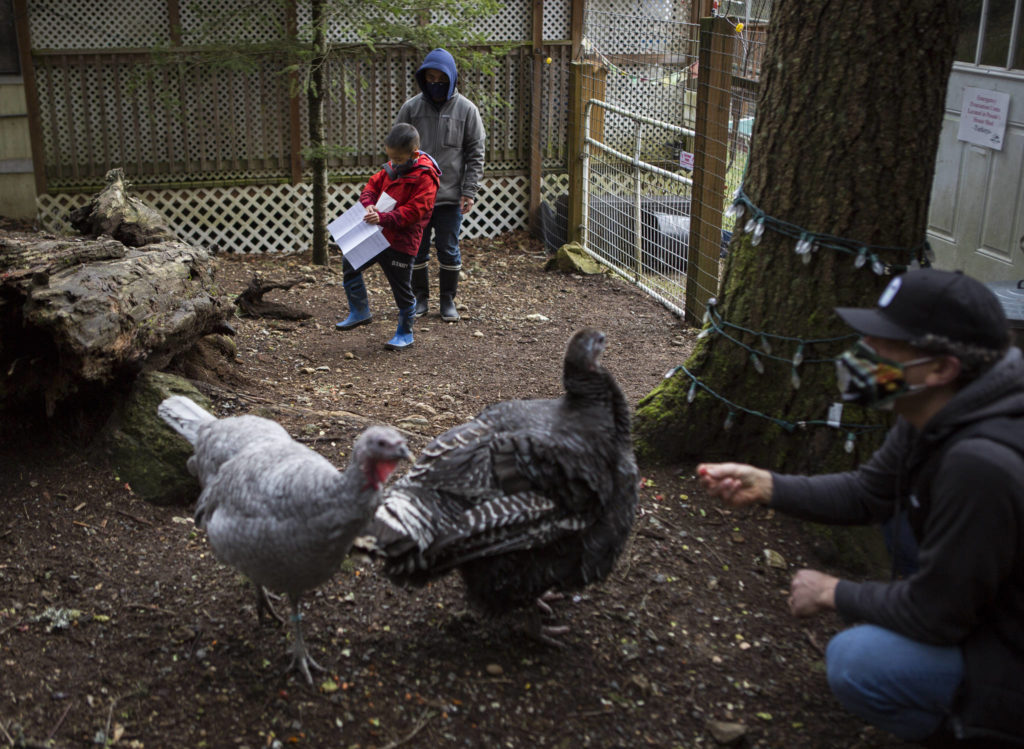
x,y
397,267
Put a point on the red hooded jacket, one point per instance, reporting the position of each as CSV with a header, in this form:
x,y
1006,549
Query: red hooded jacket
x,y
414,193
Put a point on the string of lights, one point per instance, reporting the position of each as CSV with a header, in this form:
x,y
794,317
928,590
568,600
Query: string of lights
x,y
809,242
833,421
716,323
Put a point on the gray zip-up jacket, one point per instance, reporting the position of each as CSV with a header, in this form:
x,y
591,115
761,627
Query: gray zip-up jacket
x,y
961,479
452,132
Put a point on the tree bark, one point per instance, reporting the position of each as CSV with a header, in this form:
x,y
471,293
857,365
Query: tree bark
x,y
96,314
844,144
125,217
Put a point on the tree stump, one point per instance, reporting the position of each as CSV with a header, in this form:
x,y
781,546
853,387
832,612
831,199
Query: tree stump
x,y
124,217
251,300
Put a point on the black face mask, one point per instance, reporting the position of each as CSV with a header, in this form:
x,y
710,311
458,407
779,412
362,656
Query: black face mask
x,y
394,171
437,91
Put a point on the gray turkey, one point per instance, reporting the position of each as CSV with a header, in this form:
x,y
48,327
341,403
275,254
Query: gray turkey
x,y
276,510
531,496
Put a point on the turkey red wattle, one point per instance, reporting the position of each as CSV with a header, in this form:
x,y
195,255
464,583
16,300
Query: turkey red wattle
x,y
379,471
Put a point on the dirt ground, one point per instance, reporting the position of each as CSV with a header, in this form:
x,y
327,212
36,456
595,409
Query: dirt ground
x,y
119,628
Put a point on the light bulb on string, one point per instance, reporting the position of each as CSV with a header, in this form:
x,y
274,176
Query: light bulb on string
x,y
730,419
877,265
766,346
668,375
707,310
692,393
798,357
735,210
803,245
758,364
704,333
758,232
862,257
848,445
795,379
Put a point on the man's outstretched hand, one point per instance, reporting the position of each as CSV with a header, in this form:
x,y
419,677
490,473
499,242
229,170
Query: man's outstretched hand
x,y
736,484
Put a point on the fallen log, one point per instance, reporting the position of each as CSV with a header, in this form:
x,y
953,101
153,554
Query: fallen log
x,y
22,259
85,316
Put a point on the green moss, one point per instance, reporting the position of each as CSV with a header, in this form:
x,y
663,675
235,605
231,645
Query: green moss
x,y
145,452
858,550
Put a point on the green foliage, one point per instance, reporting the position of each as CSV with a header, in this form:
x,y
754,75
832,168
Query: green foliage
x,y
220,42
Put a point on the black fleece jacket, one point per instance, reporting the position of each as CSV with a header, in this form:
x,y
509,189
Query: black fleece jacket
x,y
961,478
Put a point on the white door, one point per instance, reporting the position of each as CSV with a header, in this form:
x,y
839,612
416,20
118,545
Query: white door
x,y
976,215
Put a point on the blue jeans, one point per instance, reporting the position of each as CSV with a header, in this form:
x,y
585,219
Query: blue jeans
x,y
445,222
895,683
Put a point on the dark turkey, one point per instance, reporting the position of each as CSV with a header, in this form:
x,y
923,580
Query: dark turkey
x,y
528,497
276,510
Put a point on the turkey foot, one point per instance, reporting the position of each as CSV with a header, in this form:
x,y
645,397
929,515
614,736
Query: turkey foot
x,y
544,600
547,634
263,604
301,659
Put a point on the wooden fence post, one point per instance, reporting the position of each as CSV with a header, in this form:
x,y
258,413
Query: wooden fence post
x,y
586,81
711,152
28,79
536,94
294,115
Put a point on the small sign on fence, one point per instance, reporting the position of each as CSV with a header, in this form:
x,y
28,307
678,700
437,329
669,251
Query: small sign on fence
x,y
686,160
983,117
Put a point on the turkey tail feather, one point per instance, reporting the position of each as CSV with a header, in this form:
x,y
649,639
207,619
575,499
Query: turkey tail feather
x,y
184,416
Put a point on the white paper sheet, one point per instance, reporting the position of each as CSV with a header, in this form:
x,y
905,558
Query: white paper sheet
x,y
359,241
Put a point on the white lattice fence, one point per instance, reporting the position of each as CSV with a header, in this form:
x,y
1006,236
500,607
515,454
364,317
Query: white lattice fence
x,y
276,218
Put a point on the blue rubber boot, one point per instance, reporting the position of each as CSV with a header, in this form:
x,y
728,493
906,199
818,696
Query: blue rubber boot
x,y
403,335
358,305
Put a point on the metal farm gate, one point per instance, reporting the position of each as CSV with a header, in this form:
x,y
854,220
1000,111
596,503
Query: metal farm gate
x,y
666,112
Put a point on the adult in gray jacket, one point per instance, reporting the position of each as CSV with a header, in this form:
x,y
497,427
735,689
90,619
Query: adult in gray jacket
x,y
452,131
936,657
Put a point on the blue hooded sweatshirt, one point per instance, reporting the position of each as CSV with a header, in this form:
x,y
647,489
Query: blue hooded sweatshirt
x,y
438,59
451,131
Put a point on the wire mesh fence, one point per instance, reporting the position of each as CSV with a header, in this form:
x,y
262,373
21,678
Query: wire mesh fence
x,y
671,108
667,136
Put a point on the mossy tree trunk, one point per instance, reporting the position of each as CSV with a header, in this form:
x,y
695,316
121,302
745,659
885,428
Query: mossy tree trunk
x,y
844,144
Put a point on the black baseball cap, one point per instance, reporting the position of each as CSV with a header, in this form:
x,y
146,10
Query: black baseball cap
x,y
935,302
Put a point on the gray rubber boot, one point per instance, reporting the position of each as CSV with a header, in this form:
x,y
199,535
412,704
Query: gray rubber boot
x,y
449,284
421,288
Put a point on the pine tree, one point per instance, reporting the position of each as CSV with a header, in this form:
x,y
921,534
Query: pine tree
x,y
844,145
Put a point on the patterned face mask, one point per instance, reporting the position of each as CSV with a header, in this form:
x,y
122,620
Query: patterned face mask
x,y
394,171
869,379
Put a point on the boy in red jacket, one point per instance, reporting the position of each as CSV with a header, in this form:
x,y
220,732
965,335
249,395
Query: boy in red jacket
x,y
411,178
